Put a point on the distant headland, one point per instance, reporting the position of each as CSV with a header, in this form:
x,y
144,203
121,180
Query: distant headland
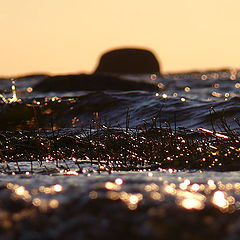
x,y
109,74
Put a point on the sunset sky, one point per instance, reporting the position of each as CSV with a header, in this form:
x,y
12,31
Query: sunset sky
x,y
63,36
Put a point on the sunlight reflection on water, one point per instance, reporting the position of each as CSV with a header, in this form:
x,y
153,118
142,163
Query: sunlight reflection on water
x,y
188,190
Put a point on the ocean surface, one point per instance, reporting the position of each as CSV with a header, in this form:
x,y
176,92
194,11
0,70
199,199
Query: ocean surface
x,y
161,204
187,98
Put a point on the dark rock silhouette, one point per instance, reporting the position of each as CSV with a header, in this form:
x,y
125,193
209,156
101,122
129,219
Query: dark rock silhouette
x,y
108,74
128,61
96,82
31,76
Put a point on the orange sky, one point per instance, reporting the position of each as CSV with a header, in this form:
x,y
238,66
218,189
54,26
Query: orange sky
x,y
62,36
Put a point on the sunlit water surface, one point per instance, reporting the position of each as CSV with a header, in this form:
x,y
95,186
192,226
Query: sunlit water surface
x,y
155,204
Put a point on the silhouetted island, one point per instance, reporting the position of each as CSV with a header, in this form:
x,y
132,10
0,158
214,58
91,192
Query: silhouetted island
x,y
128,61
109,74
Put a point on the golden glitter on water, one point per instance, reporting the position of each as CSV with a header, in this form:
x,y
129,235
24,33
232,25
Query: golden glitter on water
x,y
187,89
187,198
216,94
192,203
156,196
51,189
112,186
29,89
57,188
164,95
153,77
113,195
93,195
53,203
10,186
195,187
160,86
71,172
20,192
170,189
46,190
237,85
151,187
220,200
150,174
14,93
133,199
229,186
14,97
211,184
130,199
36,202
118,181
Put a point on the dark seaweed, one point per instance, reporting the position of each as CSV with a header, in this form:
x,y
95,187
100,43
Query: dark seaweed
x,y
154,146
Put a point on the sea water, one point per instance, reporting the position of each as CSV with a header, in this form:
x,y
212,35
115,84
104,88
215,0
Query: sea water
x,y
159,204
